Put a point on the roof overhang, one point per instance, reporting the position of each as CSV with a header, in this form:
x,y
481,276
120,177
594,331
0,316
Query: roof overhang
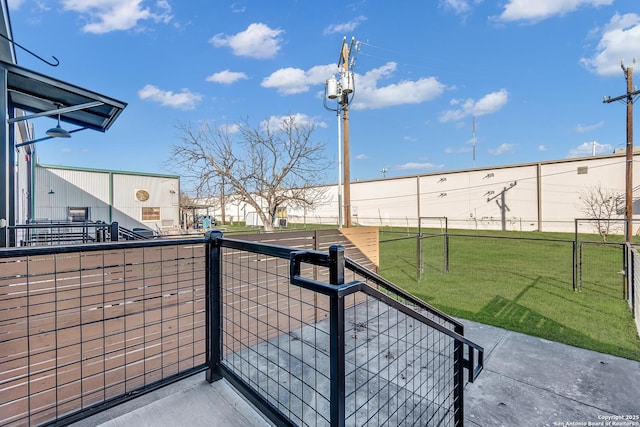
x,y
7,49
46,96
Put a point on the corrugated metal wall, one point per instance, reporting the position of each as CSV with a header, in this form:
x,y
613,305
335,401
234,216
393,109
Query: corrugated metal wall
x,y
109,195
58,189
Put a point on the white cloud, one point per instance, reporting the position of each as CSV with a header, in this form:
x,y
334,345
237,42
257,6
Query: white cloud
x,y
15,4
459,7
275,122
289,81
257,41
488,104
417,166
538,10
580,128
503,149
370,96
362,157
237,8
410,138
619,40
226,77
587,149
451,150
230,128
74,150
113,15
346,27
185,100
542,148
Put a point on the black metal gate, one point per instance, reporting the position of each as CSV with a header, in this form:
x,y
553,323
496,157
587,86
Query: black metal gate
x,y
601,267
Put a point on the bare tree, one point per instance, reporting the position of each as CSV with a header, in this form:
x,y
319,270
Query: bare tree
x,y
272,166
601,206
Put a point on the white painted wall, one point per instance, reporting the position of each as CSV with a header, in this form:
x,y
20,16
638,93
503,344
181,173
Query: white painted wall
x,y
164,192
545,195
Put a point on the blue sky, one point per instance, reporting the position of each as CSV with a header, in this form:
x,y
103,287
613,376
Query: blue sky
x,y
531,72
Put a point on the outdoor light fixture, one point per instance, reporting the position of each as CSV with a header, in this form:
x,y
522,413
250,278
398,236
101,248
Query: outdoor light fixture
x,y
58,132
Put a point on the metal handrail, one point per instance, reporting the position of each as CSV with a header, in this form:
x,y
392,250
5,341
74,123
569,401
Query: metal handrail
x,y
385,284
322,259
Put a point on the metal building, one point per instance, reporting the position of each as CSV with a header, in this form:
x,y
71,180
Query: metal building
x,y
133,199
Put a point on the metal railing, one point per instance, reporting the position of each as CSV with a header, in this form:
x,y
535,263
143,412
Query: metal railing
x,y
84,328
312,352
71,233
59,233
311,338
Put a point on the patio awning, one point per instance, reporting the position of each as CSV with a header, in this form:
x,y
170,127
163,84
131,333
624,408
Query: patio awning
x,y
46,96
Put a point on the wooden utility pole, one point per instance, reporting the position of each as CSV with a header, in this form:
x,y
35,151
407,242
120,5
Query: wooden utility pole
x,y
345,61
628,98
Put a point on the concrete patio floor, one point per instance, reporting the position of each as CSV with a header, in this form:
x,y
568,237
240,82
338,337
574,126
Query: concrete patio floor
x,y
527,381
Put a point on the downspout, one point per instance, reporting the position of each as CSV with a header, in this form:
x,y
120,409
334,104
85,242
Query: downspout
x,y
110,197
31,185
6,170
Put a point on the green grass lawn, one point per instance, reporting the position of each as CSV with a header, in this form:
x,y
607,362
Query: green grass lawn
x,y
518,284
521,285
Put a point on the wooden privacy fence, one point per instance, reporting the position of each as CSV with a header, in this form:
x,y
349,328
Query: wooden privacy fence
x,y
361,244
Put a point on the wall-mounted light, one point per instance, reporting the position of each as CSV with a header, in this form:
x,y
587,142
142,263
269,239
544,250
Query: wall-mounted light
x,y
51,192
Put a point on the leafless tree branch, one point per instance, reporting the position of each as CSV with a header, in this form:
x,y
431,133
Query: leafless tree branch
x,y
600,205
265,167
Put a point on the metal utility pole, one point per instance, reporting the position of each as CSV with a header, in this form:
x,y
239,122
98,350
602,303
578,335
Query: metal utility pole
x,y
628,98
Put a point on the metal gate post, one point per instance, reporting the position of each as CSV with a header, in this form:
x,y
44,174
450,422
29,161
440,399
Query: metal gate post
x,y
625,272
575,254
446,251
420,257
458,382
214,306
115,231
580,257
336,337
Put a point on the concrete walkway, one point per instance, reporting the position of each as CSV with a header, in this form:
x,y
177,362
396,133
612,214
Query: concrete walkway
x,y
526,381
530,381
